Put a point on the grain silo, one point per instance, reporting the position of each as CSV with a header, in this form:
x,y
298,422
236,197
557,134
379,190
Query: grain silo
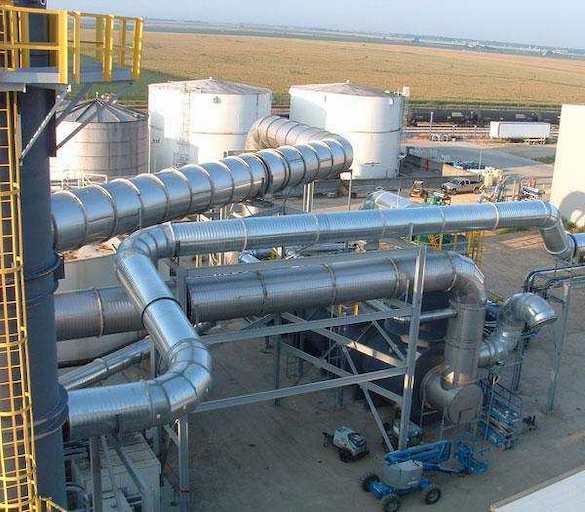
x,y
369,118
201,120
101,140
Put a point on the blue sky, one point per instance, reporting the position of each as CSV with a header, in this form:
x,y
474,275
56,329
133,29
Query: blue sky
x,y
528,21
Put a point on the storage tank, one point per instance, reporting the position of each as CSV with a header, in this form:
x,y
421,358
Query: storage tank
x,y
369,118
201,120
113,143
568,186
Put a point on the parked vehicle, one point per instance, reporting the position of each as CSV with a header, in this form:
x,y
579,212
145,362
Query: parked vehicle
x,y
463,185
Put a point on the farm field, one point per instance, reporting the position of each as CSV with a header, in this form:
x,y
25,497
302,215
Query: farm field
x,y
437,75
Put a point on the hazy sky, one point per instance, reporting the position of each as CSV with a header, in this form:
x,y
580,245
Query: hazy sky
x,y
548,22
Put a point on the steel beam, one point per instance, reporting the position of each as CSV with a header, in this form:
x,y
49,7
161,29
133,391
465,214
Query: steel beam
x,y
306,325
301,389
347,342
374,388
417,297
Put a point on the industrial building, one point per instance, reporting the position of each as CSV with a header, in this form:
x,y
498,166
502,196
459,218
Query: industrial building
x,y
142,263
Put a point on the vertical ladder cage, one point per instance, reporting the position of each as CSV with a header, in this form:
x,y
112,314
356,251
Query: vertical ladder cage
x,y
18,488
17,462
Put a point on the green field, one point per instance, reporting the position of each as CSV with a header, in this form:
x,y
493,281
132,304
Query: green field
x,y
434,75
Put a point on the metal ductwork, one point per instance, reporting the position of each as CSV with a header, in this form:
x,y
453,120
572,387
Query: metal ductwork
x,y
381,198
99,212
179,390
491,216
174,393
102,367
274,131
521,311
239,292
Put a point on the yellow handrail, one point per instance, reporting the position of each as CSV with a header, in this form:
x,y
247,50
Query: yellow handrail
x,y
114,38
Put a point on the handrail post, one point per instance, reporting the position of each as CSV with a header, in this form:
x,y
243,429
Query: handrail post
x,y
137,57
76,15
109,48
123,42
63,49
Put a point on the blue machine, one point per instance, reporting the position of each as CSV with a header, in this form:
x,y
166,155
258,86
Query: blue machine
x,y
404,471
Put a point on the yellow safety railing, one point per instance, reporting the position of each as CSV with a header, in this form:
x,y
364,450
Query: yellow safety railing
x,y
110,42
45,505
442,241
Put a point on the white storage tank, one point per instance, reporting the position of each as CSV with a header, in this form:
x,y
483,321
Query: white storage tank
x,y
113,143
201,120
369,118
568,186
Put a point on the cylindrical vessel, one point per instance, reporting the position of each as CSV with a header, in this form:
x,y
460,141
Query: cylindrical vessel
x,y
113,143
201,120
90,267
369,118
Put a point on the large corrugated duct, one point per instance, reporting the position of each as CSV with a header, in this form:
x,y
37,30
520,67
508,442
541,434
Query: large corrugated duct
x,y
138,405
189,363
274,131
491,216
98,212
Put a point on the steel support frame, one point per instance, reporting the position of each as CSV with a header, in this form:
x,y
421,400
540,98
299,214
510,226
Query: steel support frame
x,y
403,364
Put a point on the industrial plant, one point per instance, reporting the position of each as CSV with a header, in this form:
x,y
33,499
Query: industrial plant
x,y
201,297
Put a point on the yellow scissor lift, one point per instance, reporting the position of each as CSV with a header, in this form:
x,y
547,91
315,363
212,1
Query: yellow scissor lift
x,y
82,49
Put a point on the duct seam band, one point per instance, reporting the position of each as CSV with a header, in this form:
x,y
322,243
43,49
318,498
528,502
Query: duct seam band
x,y
333,282
110,199
260,277
154,301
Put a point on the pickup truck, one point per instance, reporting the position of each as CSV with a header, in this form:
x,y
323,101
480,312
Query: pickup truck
x,y
463,185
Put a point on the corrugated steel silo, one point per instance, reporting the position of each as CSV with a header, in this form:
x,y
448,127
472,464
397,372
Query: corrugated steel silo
x,y
113,143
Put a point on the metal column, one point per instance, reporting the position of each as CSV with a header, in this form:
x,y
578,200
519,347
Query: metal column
x,y
184,466
40,262
96,474
560,336
417,296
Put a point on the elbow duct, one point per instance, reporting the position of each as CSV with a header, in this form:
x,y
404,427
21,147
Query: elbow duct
x,y
274,131
99,212
521,311
136,406
491,216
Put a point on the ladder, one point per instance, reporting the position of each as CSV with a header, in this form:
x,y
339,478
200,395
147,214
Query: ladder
x,y
18,490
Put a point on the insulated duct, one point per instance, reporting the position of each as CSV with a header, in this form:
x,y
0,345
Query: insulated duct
x,y
137,406
102,367
523,310
175,393
274,131
99,212
491,216
239,292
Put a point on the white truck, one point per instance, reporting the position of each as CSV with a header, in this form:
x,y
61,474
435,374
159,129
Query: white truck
x,y
528,131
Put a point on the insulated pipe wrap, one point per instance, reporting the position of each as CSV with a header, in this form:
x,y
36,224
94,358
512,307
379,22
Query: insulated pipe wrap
x,y
519,311
99,212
